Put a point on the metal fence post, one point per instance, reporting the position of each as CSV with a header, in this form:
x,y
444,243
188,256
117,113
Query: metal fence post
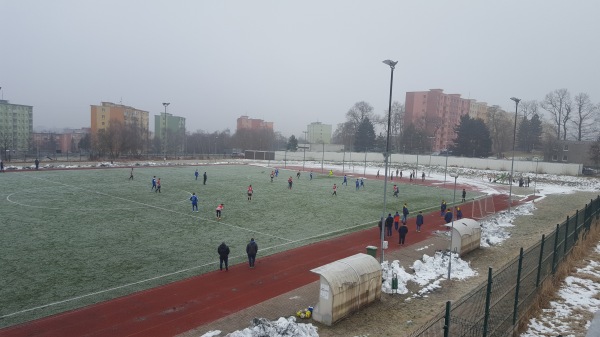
x,y
555,252
447,320
537,281
488,297
566,237
576,226
517,287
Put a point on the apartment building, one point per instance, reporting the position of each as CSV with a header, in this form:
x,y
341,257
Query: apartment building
x,y
244,122
318,133
102,115
16,127
438,113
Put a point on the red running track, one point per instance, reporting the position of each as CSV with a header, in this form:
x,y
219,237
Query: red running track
x,y
184,305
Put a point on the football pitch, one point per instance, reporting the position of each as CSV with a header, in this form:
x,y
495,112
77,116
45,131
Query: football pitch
x,y
71,238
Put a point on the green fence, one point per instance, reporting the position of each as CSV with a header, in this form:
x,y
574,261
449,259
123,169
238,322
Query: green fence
x,y
494,307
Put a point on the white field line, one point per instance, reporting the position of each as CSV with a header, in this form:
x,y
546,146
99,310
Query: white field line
x,y
166,275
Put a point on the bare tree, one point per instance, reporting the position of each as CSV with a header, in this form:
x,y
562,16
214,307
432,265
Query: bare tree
x,y
501,127
583,118
528,108
557,103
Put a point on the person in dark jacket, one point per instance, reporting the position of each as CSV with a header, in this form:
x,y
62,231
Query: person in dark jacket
x,y
404,213
459,214
448,216
389,222
204,177
420,221
443,208
402,230
251,250
464,195
223,251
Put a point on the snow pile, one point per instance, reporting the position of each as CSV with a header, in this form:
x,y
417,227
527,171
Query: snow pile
x,y
493,229
280,328
428,273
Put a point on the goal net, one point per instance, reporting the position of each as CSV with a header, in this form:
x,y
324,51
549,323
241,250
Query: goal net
x,y
482,207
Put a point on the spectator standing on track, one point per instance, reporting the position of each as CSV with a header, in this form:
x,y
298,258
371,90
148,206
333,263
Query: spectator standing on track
x,y
37,164
423,176
223,251
194,200
528,181
459,214
377,176
204,176
397,171
1,165
334,190
153,184
443,208
157,186
251,250
389,222
131,174
380,225
403,230
400,174
404,213
420,221
464,195
448,216
396,220
290,182
219,211
196,174
250,192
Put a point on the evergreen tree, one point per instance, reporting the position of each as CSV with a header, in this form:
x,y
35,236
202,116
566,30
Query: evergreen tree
x,y
595,152
365,135
292,144
523,135
472,138
535,129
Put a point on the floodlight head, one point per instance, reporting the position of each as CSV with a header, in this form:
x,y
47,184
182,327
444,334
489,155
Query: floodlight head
x,y
391,63
517,100
454,175
166,104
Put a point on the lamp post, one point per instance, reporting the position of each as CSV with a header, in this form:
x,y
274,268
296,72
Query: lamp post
x,y
512,164
392,65
430,150
446,168
165,135
455,176
305,142
537,162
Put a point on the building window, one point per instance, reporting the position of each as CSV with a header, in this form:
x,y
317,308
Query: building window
x,y
565,157
102,118
102,123
554,157
565,147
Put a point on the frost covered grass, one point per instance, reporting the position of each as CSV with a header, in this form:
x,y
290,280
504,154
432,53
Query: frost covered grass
x,y
75,237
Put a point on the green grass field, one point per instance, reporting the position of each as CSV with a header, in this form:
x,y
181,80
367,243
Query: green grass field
x,y
75,237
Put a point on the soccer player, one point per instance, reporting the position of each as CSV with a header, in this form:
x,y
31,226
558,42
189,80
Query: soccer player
x,y
272,175
298,175
194,200
310,175
290,183
345,180
219,211
250,191
357,184
204,182
157,186
362,183
396,191
196,174
153,183
276,172
334,190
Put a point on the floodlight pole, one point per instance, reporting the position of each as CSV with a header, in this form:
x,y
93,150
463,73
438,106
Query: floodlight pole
x,y
392,65
455,176
537,162
165,138
512,165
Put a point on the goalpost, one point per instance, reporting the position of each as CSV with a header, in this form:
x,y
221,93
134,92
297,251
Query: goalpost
x,y
482,207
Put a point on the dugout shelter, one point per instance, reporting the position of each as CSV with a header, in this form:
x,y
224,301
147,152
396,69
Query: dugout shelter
x,y
466,235
347,285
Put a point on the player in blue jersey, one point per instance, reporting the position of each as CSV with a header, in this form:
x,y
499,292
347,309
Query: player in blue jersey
x,y
194,200
153,183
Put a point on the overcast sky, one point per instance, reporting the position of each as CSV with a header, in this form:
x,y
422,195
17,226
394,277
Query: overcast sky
x,y
289,62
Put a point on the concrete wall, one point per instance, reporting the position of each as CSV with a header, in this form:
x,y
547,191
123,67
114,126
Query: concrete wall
x,y
425,160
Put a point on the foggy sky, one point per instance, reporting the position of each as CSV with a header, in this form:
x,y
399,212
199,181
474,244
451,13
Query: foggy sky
x,y
291,63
